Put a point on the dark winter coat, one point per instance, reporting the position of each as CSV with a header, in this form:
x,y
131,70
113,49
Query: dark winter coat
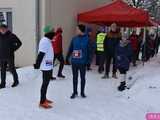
x,y
123,56
157,43
9,43
79,50
92,49
111,41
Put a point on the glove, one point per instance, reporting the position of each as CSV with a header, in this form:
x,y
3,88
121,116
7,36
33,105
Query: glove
x,y
36,66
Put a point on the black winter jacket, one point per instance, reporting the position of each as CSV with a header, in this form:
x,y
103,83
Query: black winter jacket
x,y
9,43
111,41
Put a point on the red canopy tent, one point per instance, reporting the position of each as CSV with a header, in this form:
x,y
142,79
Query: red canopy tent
x,y
118,12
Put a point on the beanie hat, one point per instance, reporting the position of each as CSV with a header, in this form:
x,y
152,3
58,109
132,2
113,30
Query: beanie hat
x,y
47,29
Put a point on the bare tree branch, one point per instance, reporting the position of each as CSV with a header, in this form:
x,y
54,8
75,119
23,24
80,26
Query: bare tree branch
x,y
134,2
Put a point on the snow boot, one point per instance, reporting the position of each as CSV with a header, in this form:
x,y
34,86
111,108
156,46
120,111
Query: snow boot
x,y
122,86
53,78
2,86
106,76
100,71
74,95
45,105
89,69
61,76
48,101
15,84
83,95
114,76
134,65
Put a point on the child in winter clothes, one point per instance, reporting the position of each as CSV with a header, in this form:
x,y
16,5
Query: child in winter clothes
x,y
123,59
45,63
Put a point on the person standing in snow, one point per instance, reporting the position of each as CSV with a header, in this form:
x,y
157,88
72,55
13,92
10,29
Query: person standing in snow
x,y
157,43
100,49
140,41
58,51
44,62
92,47
9,43
79,59
150,46
135,44
111,41
123,57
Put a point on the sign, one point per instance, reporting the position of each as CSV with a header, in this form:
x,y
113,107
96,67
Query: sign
x,y
153,116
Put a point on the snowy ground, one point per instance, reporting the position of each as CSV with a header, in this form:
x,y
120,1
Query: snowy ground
x,y
104,102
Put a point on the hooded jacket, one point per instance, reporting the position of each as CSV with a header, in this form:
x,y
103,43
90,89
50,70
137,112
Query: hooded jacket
x,y
123,55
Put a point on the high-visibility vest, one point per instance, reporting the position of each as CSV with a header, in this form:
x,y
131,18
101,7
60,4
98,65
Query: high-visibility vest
x,y
100,40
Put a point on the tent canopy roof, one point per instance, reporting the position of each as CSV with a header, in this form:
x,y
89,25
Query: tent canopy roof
x,y
118,12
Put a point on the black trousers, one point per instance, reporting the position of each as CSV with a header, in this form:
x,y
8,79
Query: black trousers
x,y
109,58
60,58
122,71
4,64
75,69
46,75
98,57
101,60
134,57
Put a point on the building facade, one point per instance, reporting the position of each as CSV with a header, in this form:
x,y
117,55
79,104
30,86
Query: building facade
x,y
27,18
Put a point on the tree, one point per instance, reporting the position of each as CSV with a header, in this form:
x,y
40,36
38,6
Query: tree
x,y
153,6
137,3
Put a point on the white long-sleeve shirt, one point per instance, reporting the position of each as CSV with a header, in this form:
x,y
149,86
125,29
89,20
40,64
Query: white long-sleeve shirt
x,y
45,46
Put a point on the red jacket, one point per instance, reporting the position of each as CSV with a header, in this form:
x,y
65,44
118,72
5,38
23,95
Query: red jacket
x,y
57,42
134,42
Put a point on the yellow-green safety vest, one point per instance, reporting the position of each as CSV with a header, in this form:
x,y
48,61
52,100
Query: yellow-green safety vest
x,y
100,40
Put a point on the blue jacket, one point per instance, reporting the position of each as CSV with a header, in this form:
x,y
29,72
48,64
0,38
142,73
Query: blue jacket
x,y
79,50
123,56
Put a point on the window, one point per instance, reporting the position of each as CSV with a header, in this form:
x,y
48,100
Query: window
x,y
6,17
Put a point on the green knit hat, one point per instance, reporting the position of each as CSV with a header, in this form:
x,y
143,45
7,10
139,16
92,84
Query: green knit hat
x,y
47,28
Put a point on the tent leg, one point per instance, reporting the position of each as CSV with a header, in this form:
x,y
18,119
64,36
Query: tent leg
x,y
144,45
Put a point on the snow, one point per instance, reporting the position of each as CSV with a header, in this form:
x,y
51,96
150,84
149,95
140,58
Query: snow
x,y
103,101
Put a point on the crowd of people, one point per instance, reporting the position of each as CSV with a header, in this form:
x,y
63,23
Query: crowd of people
x,y
111,48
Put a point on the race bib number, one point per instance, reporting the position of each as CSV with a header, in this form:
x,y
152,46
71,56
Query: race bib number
x,y
49,63
77,54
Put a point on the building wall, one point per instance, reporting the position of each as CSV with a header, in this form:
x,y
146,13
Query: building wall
x,y
60,13
24,28
65,15
52,12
